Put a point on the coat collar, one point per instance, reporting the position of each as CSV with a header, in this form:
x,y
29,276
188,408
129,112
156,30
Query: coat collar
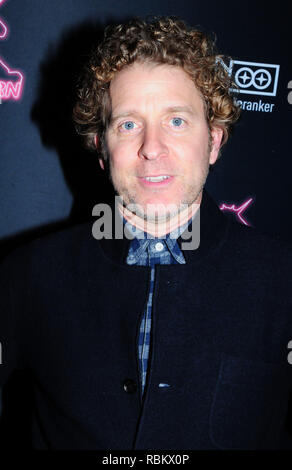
x,y
212,223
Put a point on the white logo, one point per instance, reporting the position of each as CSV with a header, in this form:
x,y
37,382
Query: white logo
x,y
289,357
255,78
289,98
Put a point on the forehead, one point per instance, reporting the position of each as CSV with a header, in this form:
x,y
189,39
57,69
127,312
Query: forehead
x,y
156,85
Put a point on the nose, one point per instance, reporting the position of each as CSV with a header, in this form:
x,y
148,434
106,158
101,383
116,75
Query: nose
x,y
153,145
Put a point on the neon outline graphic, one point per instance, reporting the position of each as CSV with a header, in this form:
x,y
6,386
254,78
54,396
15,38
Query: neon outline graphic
x,y
238,210
9,89
5,31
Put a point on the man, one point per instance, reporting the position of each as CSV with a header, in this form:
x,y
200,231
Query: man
x,y
142,341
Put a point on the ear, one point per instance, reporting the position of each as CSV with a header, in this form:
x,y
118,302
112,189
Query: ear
x,y
100,160
216,137
101,163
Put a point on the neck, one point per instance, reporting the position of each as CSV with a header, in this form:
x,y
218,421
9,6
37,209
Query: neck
x,y
160,228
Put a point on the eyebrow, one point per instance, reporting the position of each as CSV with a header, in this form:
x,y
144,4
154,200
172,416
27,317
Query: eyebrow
x,y
169,109
114,118
180,109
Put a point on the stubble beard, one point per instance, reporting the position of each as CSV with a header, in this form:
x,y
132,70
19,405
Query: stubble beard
x,y
150,213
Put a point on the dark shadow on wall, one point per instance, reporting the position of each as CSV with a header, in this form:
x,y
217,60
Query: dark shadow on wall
x,y
89,185
52,113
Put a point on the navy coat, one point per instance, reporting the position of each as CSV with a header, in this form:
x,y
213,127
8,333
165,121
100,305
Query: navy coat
x,y
70,310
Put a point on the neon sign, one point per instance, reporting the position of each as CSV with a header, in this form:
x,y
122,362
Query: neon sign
x,y
11,89
4,32
3,26
238,210
12,86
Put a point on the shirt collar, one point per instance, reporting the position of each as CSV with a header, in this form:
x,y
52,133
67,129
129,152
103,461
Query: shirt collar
x,y
141,241
214,226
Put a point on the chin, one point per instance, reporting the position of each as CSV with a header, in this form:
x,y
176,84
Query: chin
x,y
162,211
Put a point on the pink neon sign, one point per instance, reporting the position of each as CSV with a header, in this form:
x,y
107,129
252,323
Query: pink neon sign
x,y
3,26
11,89
12,86
3,30
238,210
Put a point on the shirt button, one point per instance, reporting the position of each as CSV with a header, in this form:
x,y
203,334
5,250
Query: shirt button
x,y
159,246
130,386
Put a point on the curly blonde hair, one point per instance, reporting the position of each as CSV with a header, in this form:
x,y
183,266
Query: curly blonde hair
x,y
163,40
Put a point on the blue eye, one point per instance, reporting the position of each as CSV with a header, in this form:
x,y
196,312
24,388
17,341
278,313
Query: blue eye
x,y
128,125
177,122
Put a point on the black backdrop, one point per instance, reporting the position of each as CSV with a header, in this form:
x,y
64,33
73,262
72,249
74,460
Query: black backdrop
x,y
46,179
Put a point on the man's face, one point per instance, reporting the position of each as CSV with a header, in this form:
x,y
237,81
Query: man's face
x,y
158,129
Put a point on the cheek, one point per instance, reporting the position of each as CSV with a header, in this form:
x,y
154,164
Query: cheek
x,y
125,152
197,148
121,159
189,152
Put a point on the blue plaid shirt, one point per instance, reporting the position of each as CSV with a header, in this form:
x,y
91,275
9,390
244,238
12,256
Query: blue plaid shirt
x,y
146,250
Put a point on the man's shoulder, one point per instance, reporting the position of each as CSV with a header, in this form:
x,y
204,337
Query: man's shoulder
x,y
252,244
64,238
64,243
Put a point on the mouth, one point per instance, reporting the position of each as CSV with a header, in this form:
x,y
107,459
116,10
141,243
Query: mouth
x,y
156,179
159,180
